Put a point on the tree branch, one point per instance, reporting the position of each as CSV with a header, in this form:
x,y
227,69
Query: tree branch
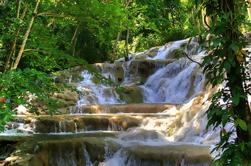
x,y
50,14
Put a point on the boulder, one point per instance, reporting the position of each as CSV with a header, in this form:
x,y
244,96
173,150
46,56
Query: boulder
x,y
113,71
139,70
152,52
130,94
66,98
67,95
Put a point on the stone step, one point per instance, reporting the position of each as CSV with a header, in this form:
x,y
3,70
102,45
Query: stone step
x,y
124,108
56,136
78,123
183,152
85,123
58,150
44,151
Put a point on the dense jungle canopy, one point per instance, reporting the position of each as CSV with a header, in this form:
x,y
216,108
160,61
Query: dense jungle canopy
x,y
38,38
41,37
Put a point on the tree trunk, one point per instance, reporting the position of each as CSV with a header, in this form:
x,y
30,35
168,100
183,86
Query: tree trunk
x,y
74,40
26,36
12,53
235,76
127,44
242,109
127,3
115,45
249,9
18,4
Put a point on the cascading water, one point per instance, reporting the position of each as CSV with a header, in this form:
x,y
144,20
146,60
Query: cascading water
x,y
168,126
95,93
177,82
87,158
166,49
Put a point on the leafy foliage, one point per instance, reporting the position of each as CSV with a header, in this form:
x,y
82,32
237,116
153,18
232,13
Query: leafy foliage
x,y
227,65
67,33
27,87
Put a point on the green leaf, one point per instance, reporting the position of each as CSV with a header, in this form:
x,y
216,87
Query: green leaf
x,y
242,124
242,146
234,47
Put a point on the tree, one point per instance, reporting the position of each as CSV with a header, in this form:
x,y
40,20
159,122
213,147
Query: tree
x,y
249,9
26,36
48,36
226,64
22,78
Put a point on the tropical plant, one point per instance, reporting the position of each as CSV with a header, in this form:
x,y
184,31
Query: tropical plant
x,y
227,64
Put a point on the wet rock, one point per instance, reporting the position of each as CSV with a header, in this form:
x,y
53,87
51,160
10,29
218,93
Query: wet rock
x,y
71,76
192,47
96,151
93,123
118,123
176,54
56,152
46,125
128,108
152,52
6,148
142,135
130,94
54,125
62,104
114,71
67,95
72,124
189,154
139,70
123,123
66,99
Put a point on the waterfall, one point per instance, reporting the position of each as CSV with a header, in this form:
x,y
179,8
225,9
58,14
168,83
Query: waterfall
x,y
166,49
178,82
87,157
124,158
157,118
93,93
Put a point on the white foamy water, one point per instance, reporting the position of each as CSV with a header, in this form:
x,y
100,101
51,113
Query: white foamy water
x,y
178,82
127,76
92,93
185,124
87,157
166,49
